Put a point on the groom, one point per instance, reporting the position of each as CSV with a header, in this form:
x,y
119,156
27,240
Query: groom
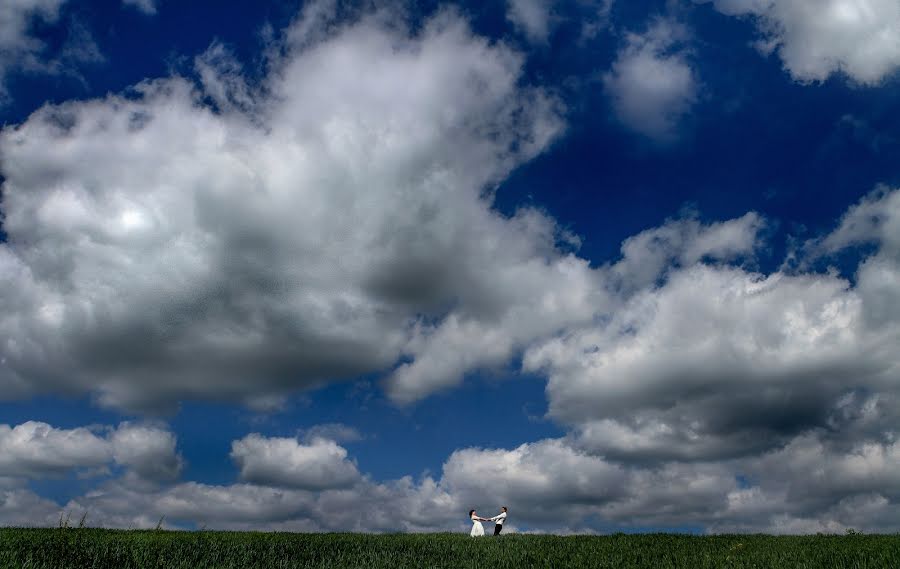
x,y
498,520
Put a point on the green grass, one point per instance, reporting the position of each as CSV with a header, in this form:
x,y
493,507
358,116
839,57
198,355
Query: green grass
x,y
116,549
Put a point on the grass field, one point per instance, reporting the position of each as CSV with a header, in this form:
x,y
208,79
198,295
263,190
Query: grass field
x,y
97,548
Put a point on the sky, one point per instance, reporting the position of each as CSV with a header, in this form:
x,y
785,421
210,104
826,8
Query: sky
x,y
350,266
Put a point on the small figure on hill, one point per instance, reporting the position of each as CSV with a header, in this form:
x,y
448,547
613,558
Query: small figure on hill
x,y
498,520
477,528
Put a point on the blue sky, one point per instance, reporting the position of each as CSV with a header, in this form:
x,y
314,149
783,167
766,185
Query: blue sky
x,y
335,266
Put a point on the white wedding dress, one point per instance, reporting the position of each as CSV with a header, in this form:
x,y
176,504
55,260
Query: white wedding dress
x,y
477,528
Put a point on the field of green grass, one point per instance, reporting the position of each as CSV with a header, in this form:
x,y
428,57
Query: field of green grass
x,y
116,549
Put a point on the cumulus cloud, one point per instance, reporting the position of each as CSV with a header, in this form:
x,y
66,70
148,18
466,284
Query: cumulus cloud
x,y
546,481
150,452
285,485
875,219
312,228
285,462
211,238
532,299
651,83
815,38
704,393
679,243
399,505
20,507
812,484
816,481
714,361
531,17
716,352
773,397
549,486
37,450
808,485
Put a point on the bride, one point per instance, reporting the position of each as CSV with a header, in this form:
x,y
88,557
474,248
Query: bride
x,y
477,528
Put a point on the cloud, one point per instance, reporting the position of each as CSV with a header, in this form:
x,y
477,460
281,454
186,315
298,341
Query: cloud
x,y
810,484
549,486
531,300
221,76
150,452
815,38
21,51
651,84
20,507
308,229
686,356
399,505
284,462
18,48
337,432
716,352
703,394
704,360
38,450
531,17
35,449
539,482
680,243
875,219
815,481
285,486
146,6
813,485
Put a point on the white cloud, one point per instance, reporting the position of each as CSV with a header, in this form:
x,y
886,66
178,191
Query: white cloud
x,y
679,243
711,331
286,486
146,6
694,373
550,485
37,450
818,38
150,452
21,51
814,482
337,432
284,462
222,78
811,485
704,360
23,508
338,218
531,17
651,83
399,505
18,48
532,299
875,219
160,251
545,483
702,394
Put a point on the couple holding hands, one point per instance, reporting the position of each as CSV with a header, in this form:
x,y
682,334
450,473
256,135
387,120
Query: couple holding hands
x,y
478,529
